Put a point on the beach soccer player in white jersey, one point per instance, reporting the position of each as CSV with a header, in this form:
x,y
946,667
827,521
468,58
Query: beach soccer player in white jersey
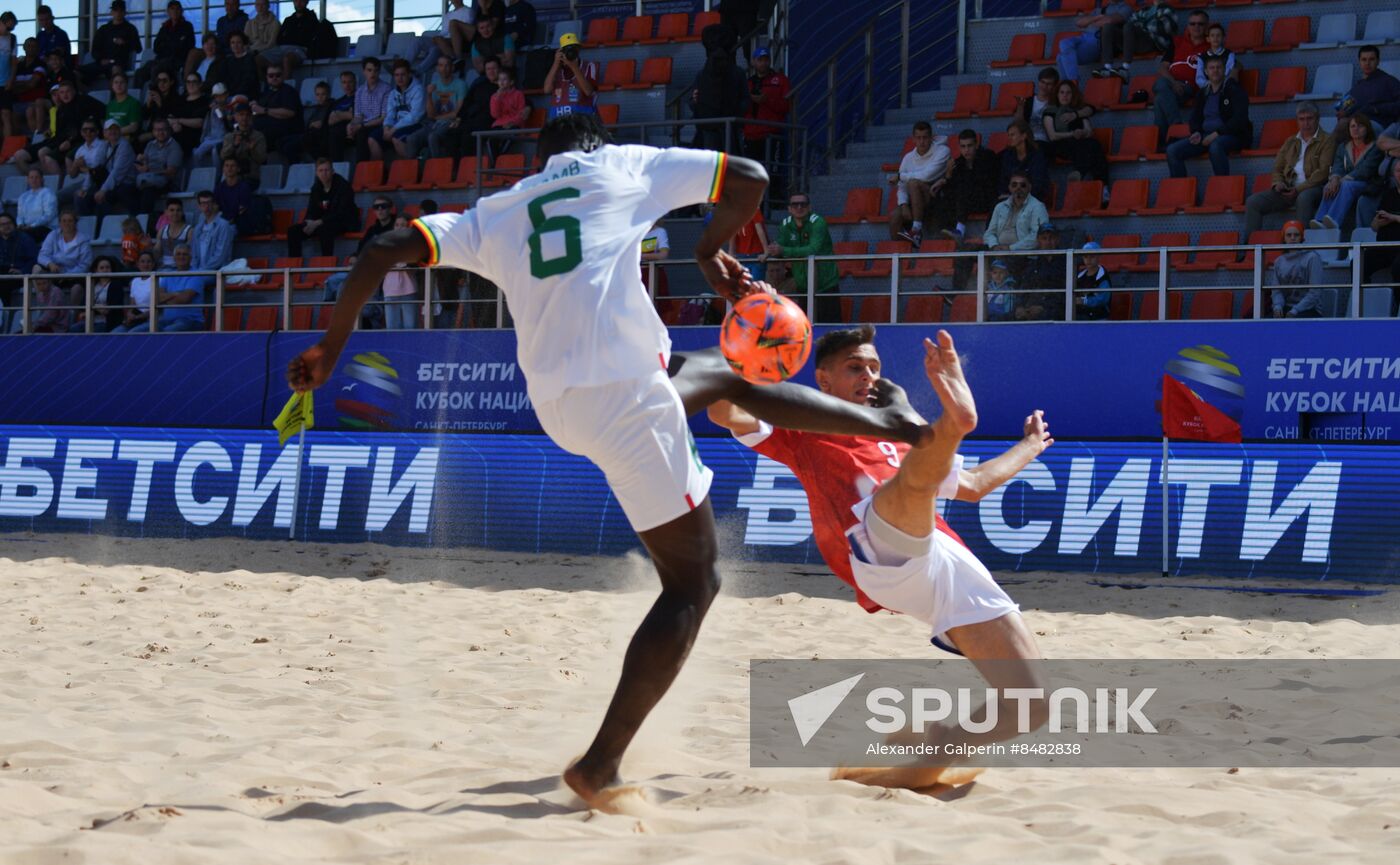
x,y
564,247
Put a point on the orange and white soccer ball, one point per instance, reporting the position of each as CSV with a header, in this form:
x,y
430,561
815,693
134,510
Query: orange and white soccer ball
x,y
766,338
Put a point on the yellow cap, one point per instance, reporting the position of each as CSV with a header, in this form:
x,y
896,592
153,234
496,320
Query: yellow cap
x,y
568,38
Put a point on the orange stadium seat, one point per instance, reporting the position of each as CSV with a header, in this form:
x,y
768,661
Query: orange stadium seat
x,y
656,72
1147,310
437,174
537,118
964,308
314,278
881,266
11,146
1104,136
1242,36
1127,196
1223,3
970,101
301,318
1285,82
1213,259
923,308
1174,195
996,142
1212,304
369,219
1272,137
1264,236
894,166
1222,195
1287,34
1136,142
1026,48
1138,82
508,168
368,174
261,318
466,173
609,113
323,316
635,28
1120,306
851,266
874,309
233,318
1072,8
702,20
402,172
1119,261
1100,92
1148,264
1175,132
618,73
600,32
670,27
1249,80
1007,94
862,205
1262,183
1082,198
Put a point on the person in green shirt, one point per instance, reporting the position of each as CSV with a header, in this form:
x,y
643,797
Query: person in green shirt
x,y
805,233
123,107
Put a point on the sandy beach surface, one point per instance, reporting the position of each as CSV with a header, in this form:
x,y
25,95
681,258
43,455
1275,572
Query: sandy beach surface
x,y
231,701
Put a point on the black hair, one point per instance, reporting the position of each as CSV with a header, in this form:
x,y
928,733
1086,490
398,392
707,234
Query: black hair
x,y
403,64
923,126
576,131
1049,73
370,61
428,206
203,194
839,340
967,135
1368,49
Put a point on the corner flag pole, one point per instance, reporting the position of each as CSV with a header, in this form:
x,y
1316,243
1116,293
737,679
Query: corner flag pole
x,y
1166,475
296,484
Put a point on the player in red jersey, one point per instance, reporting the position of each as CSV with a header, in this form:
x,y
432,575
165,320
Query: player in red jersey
x,y
876,524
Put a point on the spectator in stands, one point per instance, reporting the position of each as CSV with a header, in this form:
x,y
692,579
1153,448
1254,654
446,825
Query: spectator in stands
x,y
751,242
1032,110
509,110
30,82
51,36
160,103
212,239
158,166
366,129
974,180
1045,275
342,112
8,73
173,44
1215,38
1220,124
108,296
922,175
520,23
805,233
114,46
720,90
234,196
262,28
208,62
138,313
217,124
277,115
769,99
118,191
47,304
1297,277
1301,167
65,250
123,107
404,112
1091,286
1382,263
445,94
458,28
1091,44
1151,25
294,39
401,287
37,211
1016,220
1001,292
573,80
1356,171
234,20
330,212
315,141
135,241
179,297
1023,156
239,70
1071,136
92,153
173,233
1176,74
244,142
491,42
474,115
383,221
1376,94
74,109
18,254
60,68
187,117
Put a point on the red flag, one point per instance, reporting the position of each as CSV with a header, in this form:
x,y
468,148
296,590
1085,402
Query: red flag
x,y
1187,416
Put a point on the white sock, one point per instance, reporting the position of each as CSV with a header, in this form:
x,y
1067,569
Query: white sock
x,y
918,226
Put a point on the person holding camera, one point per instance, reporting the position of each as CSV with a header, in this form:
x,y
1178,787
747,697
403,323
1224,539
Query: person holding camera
x,y
574,81
768,100
245,143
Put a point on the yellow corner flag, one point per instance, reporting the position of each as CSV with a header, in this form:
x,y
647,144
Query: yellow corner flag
x,y
296,415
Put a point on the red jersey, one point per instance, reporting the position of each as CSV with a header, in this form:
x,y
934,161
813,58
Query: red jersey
x,y
776,90
567,94
746,241
837,472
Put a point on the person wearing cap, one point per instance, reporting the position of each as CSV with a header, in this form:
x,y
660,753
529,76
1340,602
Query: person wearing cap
x,y
573,81
173,44
1296,278
74,109
1091,286
244,142
1001,292
1044,277
122,106
114,46
1016,220
769,99
117,192
217,123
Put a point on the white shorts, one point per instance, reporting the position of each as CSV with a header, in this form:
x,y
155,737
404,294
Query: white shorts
x,y
945,588
636,432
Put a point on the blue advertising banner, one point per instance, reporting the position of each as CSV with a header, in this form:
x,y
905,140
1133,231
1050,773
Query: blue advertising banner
x,y
1288,380
1268,510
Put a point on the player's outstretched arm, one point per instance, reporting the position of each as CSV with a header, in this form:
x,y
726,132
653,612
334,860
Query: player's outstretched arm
x,y
313,367
728,415
745,181
975,483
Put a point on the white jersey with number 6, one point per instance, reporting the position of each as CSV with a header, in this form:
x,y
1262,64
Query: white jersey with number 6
x,y
565,247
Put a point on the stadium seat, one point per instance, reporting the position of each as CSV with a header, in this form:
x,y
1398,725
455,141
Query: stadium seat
x,y
403,45
1329,81
301,318
367,45
971,101
261,318
323,316
110,234
862,205
996,142
670,27
923,308
200,178
1101,93
401,172
368,175
919,268
656,72
617,73
1381,27
964,308
1272,137
233,318
437,174
1165,238
1222,195
308,90
1026,48
1333,30
609,113
1212,259
270,176
881,267
1120,306
851,266
1287,34
635,28
1391,67
1174,195
1212,305
10,147
1104,135
537,117
1246,35
1175,132
1263,237
1072,8
1285,83
1147,309
1120,261
600,32
1082,198
281,221
87,226
1007,94
1142,83
1249,80
1127,197
300,177
1136,143
702,20
874,309
466,173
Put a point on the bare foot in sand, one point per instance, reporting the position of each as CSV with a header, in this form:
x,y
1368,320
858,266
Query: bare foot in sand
x,y
610,796
907,777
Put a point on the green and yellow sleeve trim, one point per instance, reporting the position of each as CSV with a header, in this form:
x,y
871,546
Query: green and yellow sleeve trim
x,y
434,248
717,182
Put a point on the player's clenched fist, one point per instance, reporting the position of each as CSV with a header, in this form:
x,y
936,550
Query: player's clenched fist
x,y
310,369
